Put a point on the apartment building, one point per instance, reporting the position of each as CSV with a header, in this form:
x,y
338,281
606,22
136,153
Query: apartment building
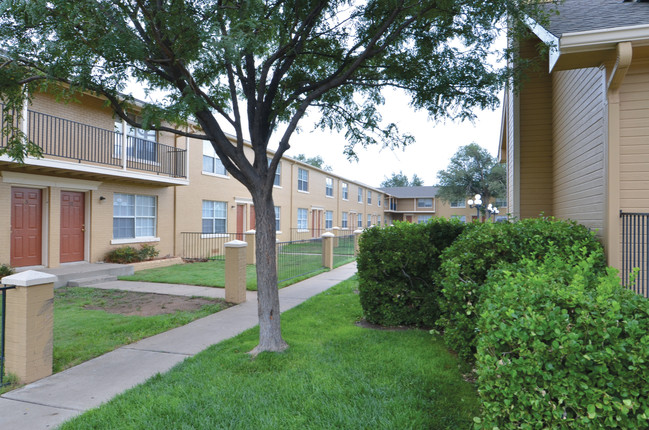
x,y
102,184
419,204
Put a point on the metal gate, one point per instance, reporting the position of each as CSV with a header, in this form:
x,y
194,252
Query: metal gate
x,y
635,251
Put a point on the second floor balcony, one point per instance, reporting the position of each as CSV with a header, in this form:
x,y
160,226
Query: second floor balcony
x,y
107,151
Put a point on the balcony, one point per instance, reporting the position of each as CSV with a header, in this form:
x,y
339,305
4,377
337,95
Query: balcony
x,y
76,146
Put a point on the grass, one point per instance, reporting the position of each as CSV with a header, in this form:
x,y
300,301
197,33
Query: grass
x,y
81,334
334,375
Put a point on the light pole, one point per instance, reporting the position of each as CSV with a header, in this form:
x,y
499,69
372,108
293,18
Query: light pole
x,y
492,210
476,202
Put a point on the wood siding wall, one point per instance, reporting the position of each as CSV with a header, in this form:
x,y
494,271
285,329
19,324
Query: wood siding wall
x,y
634,139
578,131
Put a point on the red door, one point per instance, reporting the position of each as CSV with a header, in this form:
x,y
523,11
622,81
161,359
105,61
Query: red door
x,y
72,226
26,227
409,218
241,220
316,219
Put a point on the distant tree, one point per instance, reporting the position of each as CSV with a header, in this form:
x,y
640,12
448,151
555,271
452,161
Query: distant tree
x,y
401,180
316,161
472,170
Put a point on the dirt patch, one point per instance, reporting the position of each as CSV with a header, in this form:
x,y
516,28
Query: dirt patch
x,y
147,304
366,324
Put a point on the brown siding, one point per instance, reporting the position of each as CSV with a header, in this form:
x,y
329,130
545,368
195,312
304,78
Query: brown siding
x,y
579,138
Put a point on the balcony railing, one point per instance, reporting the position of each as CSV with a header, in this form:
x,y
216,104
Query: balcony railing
x,y
72,140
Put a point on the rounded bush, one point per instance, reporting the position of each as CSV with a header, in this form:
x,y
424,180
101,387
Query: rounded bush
x,y
481,248
398,271
562,348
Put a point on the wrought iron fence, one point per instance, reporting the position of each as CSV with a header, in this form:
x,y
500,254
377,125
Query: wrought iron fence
x,y
3,320
298,258
635,251
201,246
315,233
343,249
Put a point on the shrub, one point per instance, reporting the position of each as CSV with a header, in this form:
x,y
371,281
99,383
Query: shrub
x,y
128,254
6,270
482,247
398,271
562,348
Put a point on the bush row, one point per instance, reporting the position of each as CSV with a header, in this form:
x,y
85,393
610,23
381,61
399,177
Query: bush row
x,y
128,254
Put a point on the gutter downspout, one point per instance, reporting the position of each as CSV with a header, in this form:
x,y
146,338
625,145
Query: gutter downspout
x,y
612,210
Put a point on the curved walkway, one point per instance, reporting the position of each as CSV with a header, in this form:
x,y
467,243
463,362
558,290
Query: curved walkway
x,y
46,403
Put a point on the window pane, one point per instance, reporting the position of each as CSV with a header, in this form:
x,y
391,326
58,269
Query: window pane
x,y
123,228
123,205
145,206
144,227
208,164
219,225
208,226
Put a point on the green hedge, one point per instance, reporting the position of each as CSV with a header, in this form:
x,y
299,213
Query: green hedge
x,y
562,348
128,254
398,271
482,247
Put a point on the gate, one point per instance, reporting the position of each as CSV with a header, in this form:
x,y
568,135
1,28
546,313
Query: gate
x,y
635,251
3,319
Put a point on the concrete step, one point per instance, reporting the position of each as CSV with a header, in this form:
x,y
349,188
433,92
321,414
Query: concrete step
x,y
77,271
85,282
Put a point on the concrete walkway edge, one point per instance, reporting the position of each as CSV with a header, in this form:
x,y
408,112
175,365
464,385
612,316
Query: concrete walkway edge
x,y
50,401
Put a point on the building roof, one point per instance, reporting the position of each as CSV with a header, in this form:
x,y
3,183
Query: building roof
x,y
410,192
590,15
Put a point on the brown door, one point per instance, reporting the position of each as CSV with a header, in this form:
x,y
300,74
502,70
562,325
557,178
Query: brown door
x,y
241,220
253,219
72,226
26,227
316,219
409,218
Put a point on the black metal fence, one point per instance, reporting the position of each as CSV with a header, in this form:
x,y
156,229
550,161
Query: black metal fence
x,y
343,249
635,251
201,246
298,258
3,320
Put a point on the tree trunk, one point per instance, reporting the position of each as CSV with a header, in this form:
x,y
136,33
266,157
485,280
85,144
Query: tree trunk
x,y
270,332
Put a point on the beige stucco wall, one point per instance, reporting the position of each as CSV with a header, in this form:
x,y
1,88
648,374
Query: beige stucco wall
x,y
578,128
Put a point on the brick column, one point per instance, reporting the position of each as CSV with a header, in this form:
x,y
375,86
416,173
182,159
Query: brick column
x,y
357,236
328,250
30,323
251,240
235,271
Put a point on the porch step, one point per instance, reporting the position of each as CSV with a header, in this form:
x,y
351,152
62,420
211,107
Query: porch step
x,y
85,282
85,271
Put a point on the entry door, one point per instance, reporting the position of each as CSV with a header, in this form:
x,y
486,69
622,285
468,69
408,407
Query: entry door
x,y
409,218
72,226
316,219
241,221
26,227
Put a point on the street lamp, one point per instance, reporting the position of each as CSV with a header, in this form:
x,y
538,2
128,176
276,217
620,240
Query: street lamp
x,y
492,210
476,203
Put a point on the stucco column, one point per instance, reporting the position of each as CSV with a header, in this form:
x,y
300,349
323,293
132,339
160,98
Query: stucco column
x,y
251,240
336,232
235,271
357,236
30,323
328,250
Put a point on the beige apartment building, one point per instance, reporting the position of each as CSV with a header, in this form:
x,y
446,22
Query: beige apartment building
x,y
102,184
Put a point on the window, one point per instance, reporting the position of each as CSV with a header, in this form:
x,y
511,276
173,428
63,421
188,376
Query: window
x,y
329,187
302,180
501,203
369,197
422,219
458,204
278,174
329,219
462,218
378,220
360,220
360,195
140,144
302,215
502,218
277,218
369,220
378,200
211,162
344,220
215,217
345,190
424,203
133,216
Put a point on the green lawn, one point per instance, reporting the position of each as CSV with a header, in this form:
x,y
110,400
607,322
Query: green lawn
x,y
81,334
334,375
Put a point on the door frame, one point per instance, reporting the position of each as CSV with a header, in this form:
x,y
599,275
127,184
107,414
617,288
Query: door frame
x,y
44,222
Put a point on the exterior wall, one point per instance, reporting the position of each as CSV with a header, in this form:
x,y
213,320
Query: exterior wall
x,y
579,146
535,139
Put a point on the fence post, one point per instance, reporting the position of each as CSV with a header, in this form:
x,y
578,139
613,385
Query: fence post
x,y
328,250
251,240
357,236
30,322
336,231
235,271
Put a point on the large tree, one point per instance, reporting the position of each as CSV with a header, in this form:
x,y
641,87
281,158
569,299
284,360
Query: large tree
x,y
401,180
256,65
472,170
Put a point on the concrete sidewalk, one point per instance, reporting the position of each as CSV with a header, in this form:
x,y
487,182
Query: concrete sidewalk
x,y
50,401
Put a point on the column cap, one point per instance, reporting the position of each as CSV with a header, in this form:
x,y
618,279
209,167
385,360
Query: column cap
x,y
236,244
28,278
328,234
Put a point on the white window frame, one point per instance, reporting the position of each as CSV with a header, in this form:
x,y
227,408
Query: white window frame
x,y
369,220
302,219
138,135
278,219
223,210
424,199
344,221
329,187
302,180
369,197
458,204
345,188
462,218
360,220
277,181
360,195
329,220
209,152
422,219
138,201
379,198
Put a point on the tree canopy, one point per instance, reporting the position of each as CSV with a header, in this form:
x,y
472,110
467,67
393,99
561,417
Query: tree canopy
x,y
253,65
316,161
472,170
401,180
